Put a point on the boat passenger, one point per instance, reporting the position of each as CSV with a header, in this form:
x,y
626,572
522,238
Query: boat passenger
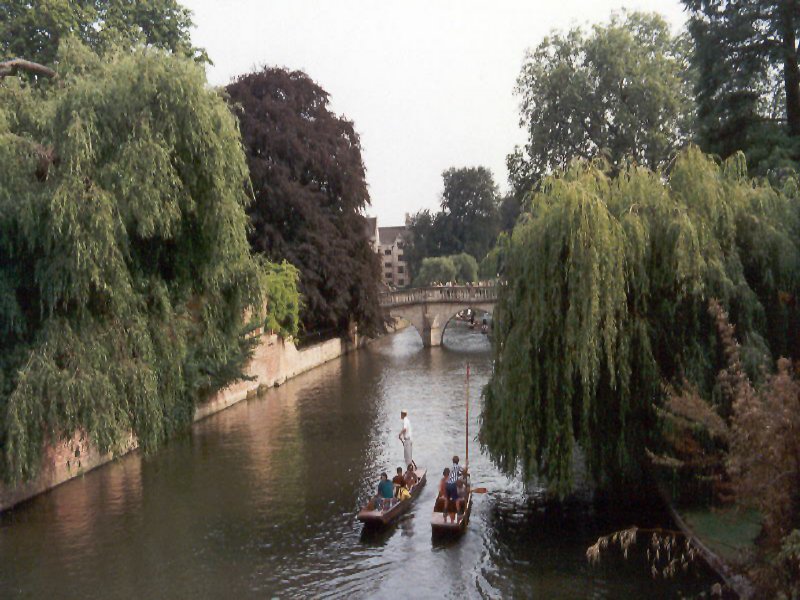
x,y
403,493
383,499
443,486
411,477
451,489
398,480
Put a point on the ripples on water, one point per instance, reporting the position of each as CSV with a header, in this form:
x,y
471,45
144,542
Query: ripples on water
x,y
260,501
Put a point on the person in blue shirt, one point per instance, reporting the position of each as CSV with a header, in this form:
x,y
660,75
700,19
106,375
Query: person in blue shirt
x,y
383,499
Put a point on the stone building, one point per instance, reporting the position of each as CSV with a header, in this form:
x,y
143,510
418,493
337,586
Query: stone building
x,y
391,249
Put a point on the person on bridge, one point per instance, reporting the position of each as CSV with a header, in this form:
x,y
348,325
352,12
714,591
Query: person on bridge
x,y
405,438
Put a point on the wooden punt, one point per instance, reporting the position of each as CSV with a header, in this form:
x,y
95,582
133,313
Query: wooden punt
x,y
382,518
441,524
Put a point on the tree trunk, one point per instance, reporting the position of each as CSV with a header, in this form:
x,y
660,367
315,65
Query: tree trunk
x,y
791,69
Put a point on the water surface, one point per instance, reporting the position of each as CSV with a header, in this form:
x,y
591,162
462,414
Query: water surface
x,y
259,501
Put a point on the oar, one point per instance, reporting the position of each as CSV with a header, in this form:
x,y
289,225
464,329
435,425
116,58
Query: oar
x,y
479,491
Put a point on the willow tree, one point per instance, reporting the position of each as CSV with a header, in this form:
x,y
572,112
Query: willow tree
x,y
608,280
125,270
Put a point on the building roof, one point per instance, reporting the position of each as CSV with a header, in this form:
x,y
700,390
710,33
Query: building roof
x,y
371,226
389,235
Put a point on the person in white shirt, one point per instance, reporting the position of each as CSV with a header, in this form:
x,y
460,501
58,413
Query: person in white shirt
x,y
405,437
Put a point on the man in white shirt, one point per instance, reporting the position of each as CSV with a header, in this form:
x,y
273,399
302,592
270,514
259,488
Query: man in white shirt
x,y
405,437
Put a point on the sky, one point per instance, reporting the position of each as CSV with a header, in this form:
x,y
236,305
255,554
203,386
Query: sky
x,y
429,84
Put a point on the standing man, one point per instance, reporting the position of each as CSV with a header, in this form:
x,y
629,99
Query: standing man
x,y
405,437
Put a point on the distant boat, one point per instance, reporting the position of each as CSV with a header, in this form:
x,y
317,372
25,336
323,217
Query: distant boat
x,y
383,518
440,521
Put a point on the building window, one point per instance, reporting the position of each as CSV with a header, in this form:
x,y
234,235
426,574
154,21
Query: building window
x,y
400,269
387,265
387,252
400,245
401,282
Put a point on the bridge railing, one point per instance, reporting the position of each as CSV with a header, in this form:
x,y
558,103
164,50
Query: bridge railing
x,y
459,293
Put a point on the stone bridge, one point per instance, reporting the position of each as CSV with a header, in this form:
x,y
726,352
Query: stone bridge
x,y
429,309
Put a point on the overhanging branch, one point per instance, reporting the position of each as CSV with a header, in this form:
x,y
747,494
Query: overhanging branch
x,y
10,67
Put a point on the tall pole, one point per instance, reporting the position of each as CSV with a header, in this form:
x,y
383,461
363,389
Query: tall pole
x,y
467,428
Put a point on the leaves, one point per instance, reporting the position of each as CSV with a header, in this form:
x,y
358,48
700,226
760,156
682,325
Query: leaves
x,y
125,273
607,280
310,191
620,92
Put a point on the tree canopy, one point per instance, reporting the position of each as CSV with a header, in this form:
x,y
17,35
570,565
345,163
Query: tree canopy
x,y
619,92
608,279
459,268
747,59
310,192
34,29
125,270
468,222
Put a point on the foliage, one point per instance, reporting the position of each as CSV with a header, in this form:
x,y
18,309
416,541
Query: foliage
x,y
748,84
760,452
468,222
493,264
34,30
466,267
607,280
437,269
310,193
620,92
458,268
125,269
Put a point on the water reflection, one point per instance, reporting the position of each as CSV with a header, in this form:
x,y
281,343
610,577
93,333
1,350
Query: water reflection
x,y
260,500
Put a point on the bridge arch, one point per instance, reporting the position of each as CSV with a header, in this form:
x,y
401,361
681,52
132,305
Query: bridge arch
x,y
430,309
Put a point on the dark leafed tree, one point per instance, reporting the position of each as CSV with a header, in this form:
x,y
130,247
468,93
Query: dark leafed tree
x,y
748,85
620,91
310,192
33,30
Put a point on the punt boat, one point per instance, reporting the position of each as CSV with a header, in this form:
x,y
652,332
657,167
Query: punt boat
x,y
383,518
440,521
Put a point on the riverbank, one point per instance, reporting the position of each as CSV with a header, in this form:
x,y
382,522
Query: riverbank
x,y
274,361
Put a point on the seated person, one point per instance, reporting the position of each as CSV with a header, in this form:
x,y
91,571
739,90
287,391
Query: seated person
x,y
403,493
397,480
411,477
443,487
383,499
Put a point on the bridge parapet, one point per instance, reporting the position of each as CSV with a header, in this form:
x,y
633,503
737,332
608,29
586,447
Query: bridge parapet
x,y
460,294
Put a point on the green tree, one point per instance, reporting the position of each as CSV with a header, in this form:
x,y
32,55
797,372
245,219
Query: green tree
x,y
619,92
125,270
437,269
469,219
470,202
466,267
310,191
34,29
606,300
748,87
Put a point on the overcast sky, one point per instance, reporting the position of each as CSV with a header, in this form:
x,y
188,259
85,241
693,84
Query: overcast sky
x,y
428,83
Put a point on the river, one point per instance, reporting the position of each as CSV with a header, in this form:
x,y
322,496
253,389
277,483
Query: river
x,y
259,501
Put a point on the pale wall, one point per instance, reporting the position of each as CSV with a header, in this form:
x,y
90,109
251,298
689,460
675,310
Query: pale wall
x,y
274,361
